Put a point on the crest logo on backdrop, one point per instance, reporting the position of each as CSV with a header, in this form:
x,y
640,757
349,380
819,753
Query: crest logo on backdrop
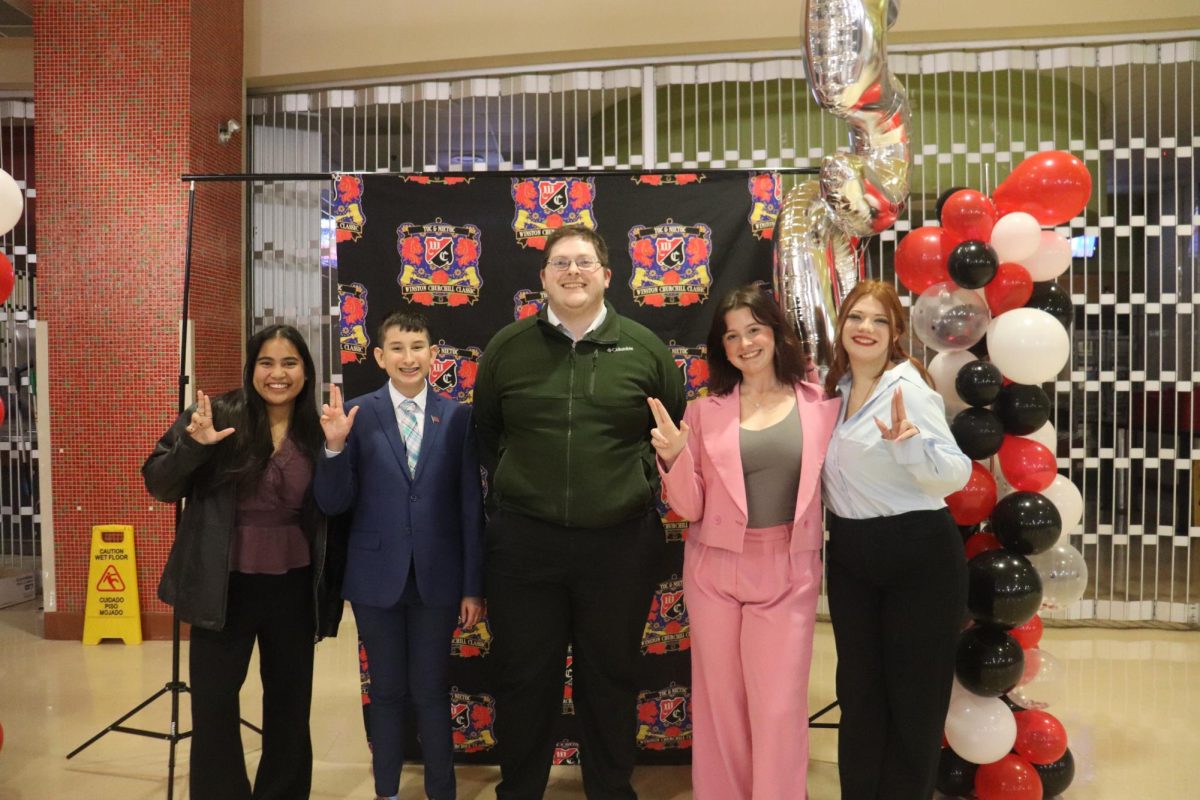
x,y
670,263
542,205
440,263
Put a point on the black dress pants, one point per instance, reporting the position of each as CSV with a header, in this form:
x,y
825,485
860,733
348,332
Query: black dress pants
x,y
548,586
897,600
277,612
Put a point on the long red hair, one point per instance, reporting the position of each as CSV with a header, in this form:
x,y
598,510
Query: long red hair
x,y
885,295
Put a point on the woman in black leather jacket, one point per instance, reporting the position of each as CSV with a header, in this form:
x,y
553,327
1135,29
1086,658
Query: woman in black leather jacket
x,y
250,563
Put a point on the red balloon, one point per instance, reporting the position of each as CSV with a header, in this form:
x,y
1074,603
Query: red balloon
x,y
968,214
6,277
1029,634
974,502
3,412
921,259
1011,288
1027,465
1010,778
980,543
1041,738
1053,186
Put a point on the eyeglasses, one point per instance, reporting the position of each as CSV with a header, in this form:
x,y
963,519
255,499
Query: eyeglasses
x,y
584,264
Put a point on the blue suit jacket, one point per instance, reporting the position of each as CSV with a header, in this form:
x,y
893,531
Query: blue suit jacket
x,y
433,519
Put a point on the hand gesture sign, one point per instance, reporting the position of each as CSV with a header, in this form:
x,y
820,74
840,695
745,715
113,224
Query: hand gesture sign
x,y
901,428
667,439
200,426
335,422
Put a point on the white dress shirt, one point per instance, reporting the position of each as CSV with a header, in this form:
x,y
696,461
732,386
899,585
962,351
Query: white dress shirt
x,y
398,398
554,320
867,476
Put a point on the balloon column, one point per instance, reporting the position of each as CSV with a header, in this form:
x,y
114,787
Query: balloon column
x,y
984,281
12,202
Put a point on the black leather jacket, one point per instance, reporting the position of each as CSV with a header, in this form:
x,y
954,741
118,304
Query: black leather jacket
x,y
196,578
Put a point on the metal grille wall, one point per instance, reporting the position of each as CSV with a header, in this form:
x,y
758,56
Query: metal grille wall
x,y
20,540
1126,410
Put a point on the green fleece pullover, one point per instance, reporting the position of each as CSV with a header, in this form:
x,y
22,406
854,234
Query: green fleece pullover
x,y
564,428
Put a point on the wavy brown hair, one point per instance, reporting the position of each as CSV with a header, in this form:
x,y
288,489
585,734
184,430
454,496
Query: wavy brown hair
x,y
790,361
886,295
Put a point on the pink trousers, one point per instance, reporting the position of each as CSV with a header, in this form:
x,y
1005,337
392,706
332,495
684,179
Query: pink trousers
x,y
751,617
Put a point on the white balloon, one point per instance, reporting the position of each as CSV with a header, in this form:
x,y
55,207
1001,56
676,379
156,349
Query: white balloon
x,y
1028,345
1064,574
12,200
944,369
1016,236
1046,436
1051,259
980,729
1067,499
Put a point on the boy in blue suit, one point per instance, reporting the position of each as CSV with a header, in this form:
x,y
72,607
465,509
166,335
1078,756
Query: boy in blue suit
x,y
406,461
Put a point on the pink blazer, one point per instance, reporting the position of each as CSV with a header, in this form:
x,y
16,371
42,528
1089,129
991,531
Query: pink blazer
x,y
706,485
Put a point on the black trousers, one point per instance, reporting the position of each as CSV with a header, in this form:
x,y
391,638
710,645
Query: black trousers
x,y
277,612
548,586
897,600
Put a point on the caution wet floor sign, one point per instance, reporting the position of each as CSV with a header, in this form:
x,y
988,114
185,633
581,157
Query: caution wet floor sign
x,y
113,611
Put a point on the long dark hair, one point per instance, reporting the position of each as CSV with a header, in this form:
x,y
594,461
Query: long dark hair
x,y
886,295
789,353
243,457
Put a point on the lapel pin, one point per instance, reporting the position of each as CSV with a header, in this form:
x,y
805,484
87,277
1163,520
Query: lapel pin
x,y
435,420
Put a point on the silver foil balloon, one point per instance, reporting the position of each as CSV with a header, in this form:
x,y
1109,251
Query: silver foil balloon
x,y
859,193
815,266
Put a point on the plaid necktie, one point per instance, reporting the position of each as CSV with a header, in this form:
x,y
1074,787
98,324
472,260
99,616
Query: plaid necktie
x,y
410,432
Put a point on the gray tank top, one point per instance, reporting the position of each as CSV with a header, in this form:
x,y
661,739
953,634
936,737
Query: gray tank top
x,y
771,468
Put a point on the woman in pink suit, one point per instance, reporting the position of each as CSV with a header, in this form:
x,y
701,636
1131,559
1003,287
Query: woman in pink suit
x,y
744,466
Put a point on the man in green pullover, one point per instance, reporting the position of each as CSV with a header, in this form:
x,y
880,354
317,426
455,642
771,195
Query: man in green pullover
x,y
573,539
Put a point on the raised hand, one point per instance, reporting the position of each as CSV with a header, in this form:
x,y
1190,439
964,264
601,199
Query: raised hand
x,y
200,426
335,422
667,439
901,428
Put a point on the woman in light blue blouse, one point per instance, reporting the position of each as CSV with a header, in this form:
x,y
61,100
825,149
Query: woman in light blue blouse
x,y
897,577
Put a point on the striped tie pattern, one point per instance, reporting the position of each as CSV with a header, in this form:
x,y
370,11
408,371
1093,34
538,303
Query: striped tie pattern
x,y
410,432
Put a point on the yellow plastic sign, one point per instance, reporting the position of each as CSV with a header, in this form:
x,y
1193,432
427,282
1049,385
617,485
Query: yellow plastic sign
x,y
113,610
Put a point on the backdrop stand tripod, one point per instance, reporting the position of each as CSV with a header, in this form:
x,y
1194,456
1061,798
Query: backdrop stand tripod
x,y
175,686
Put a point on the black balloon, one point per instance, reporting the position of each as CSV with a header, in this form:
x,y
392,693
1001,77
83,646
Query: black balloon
x,y
1027,523
943,197
1022,408
1048,296
988,661
978,383
1003,588
955,775
979,432
1057,777
972,264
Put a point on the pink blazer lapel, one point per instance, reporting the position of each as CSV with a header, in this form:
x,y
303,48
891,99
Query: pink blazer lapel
x,y
724,444
817,418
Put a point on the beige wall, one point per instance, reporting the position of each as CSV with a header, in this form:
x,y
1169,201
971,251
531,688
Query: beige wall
x,y
16,64
291,41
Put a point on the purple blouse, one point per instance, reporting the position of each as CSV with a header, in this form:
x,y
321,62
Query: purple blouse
x,y
268,537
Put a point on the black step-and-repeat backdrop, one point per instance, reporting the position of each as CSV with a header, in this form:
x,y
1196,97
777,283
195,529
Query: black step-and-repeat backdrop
x,y
466,251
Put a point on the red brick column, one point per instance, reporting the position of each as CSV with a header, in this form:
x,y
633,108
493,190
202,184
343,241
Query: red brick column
x,y
129,96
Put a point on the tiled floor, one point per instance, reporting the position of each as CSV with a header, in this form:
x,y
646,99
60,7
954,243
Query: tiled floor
x,y
1131,706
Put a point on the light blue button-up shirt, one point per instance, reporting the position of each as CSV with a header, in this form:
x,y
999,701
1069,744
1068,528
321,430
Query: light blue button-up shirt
x,y
866,476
